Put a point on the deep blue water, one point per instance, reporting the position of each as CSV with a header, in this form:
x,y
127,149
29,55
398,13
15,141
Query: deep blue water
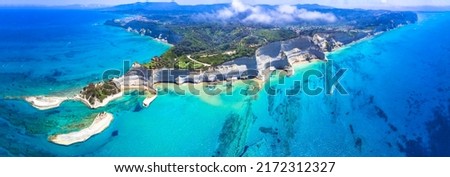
x,y
398,101
49,50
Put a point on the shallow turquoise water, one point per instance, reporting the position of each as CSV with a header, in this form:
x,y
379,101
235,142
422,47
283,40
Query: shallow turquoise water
x,y
398,102
397,105
57,52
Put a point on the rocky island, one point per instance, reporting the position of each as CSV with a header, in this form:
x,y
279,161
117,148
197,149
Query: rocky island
x,y
98,95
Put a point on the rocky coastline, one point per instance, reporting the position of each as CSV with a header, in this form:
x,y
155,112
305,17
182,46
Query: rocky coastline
x,y
282,55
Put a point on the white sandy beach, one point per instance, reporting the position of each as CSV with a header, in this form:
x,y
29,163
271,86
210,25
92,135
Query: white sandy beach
x,y
44,103
101,122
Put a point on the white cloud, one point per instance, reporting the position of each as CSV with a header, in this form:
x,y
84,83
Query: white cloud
x,y
239,6
282,14
259,18
286,9
312,15
225,14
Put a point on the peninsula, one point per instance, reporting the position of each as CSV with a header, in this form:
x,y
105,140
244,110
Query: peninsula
x,y
100,123
209,48
223,43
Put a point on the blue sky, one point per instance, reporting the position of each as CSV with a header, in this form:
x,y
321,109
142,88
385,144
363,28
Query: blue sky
x,y
336,3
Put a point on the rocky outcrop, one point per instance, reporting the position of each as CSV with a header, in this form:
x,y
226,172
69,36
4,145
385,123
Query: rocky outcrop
x,y
282,55
98,95
269,56
326,42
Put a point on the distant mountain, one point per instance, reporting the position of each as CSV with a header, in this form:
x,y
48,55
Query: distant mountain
x,y
147,6
424,8
313,6
174,7
166,6
72,6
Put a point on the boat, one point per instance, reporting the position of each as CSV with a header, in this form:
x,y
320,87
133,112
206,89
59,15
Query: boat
x,y
147,101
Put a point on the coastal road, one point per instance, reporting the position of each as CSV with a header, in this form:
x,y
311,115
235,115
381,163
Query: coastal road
x,y
199,62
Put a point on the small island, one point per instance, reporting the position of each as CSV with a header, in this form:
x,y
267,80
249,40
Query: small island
x,y
100,123
98,95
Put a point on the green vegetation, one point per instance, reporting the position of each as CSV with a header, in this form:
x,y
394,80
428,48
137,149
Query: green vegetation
x,y
272,35
100,91
214,44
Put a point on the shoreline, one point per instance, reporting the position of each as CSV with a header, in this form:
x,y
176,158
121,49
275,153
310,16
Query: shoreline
x,y
346,46
304,64
46,102
99,104
50,102
43,102
100,123
162,41
367,38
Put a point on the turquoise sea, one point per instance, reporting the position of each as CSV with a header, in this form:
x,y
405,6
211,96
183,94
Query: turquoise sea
x,y
398,101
